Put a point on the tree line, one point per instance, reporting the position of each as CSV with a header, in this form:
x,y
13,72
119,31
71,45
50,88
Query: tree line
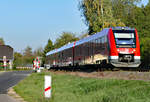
x,y
26,58
100,14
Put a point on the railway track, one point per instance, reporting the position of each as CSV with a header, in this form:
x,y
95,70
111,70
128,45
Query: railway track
x,y
109,72
117,74
99,68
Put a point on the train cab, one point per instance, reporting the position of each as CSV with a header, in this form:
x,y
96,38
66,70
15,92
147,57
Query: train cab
x,y
124,47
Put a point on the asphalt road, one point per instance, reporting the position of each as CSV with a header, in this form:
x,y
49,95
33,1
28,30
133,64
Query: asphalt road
x,y
9,79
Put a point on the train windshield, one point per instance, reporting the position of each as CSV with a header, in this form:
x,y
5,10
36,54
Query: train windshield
x,y
125,39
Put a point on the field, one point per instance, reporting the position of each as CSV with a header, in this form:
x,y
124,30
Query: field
x,y
69,88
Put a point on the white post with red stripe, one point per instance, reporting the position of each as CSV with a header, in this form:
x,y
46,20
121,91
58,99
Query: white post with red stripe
x,y
48,88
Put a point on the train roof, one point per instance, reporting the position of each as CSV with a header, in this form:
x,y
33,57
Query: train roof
x,y
122,28
92,37
81,41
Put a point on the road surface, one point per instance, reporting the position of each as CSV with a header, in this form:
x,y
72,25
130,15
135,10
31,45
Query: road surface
x,y
9,79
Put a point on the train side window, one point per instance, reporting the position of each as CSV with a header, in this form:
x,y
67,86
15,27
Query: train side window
x,y
76,51
70,52
62,55
80,50
59,55
103,42
84,49
103,39
100,43
91,48
87,48
97,46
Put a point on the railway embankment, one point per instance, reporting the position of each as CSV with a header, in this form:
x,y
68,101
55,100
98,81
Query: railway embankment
x,y
86,87
124,75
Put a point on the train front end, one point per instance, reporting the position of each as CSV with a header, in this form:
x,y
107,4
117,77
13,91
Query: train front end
x,y
124,47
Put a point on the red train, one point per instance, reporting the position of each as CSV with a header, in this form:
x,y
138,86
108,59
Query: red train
x,y
118,46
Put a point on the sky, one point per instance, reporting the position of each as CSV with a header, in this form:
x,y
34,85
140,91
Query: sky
x,y
32,22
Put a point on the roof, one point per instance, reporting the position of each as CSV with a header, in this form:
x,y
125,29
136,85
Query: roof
x,y
6,50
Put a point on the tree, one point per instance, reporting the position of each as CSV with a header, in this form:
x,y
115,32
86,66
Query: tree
x,y
98,15
28,51
24,59
18,59
48,47
143,26
84,35
145,46
124,10
27,56
2,41
65,38
146,21
38,52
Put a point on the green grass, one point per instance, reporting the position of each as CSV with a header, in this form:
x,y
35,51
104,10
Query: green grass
x,y
67,88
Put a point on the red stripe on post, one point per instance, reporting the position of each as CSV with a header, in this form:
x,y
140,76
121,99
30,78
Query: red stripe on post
x,y
47,88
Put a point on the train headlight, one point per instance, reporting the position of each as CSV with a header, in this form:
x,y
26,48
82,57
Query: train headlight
x,y
123,28
134,50
118,50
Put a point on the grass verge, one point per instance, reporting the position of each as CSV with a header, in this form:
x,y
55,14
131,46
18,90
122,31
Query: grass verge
x,y
67,88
